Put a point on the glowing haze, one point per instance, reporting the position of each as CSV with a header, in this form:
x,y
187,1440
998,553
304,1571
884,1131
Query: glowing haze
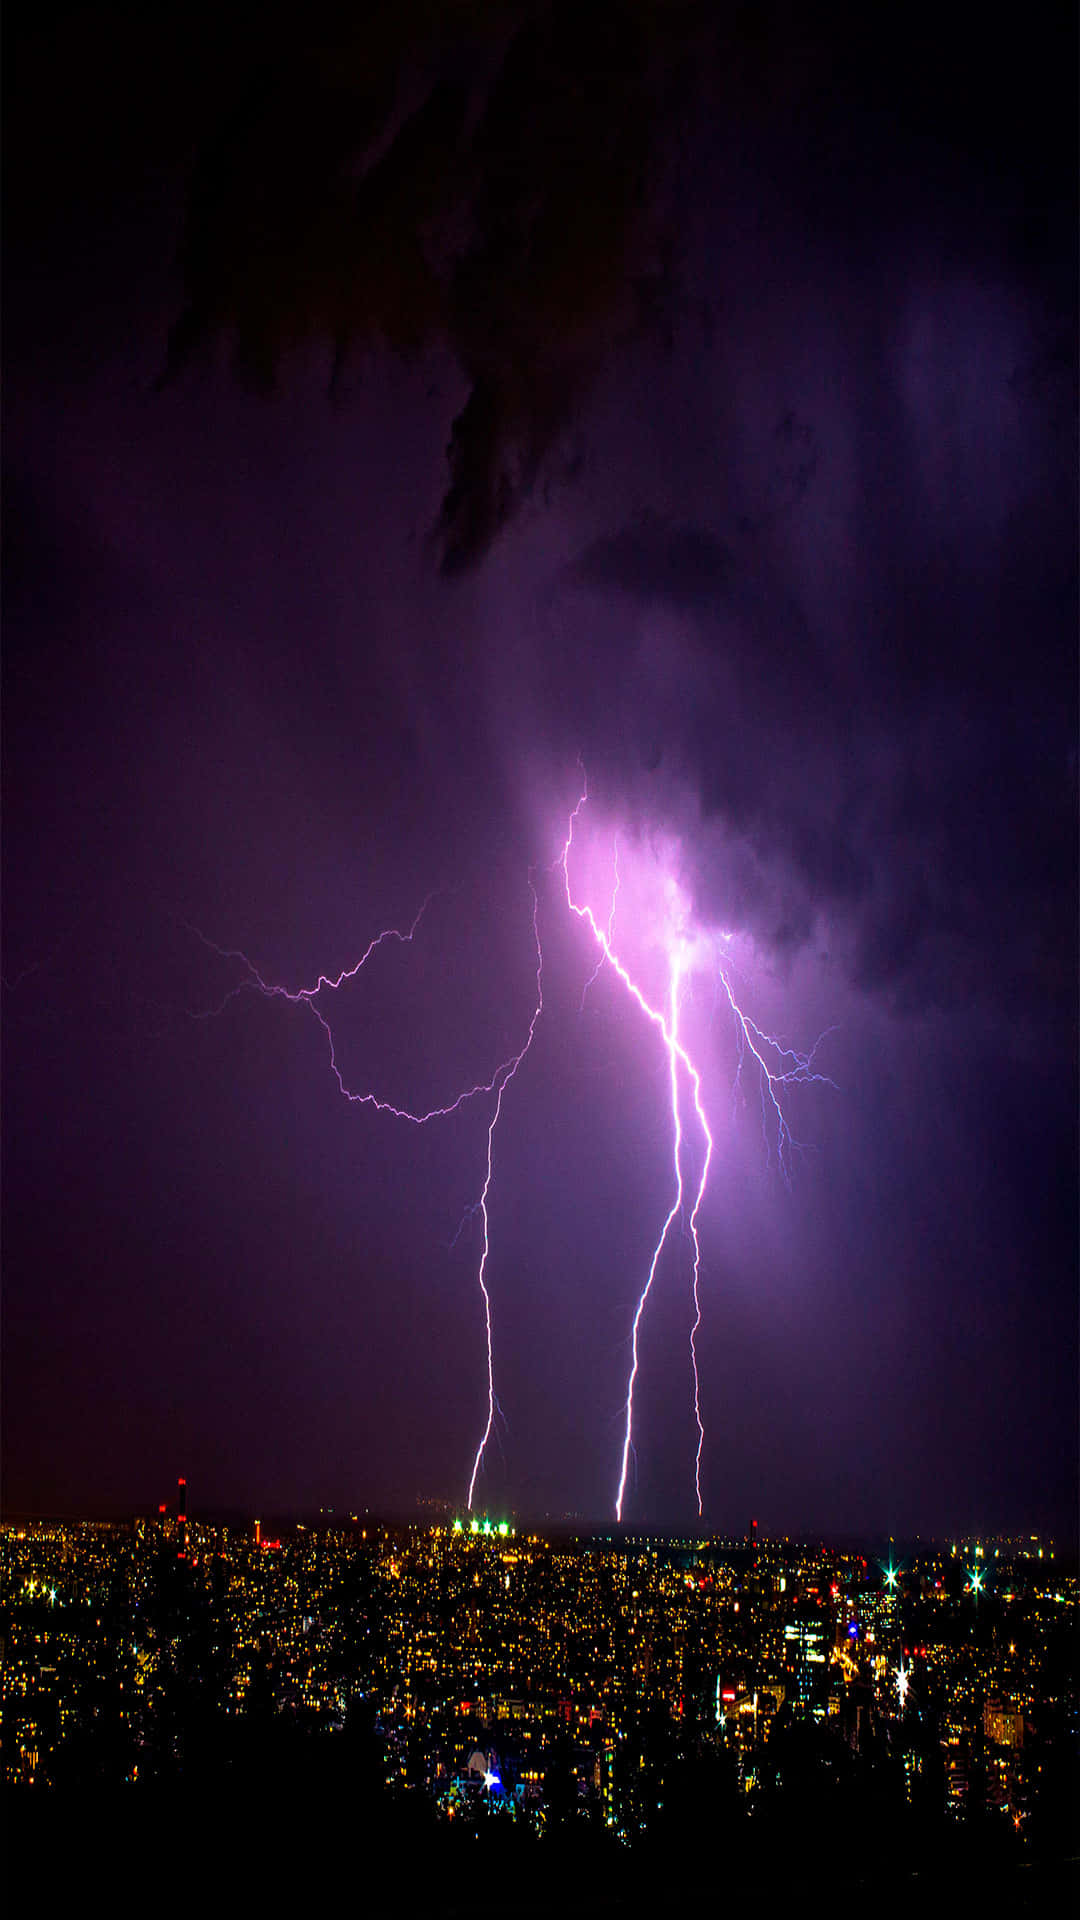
x,y
686,952
702,399
658,918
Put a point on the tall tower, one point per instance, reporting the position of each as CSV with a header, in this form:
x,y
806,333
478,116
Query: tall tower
x,y
181,1519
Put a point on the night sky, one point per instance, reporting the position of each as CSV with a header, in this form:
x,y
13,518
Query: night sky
x,y
400,404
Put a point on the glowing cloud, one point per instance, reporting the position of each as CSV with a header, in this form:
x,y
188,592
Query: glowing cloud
x,y
779,1067
662,923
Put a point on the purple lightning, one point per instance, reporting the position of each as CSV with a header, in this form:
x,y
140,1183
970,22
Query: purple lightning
x,y
498,1083
591,981
779,1067
677,1055
694,1211
503,1084
307,996
790,1068
674,1050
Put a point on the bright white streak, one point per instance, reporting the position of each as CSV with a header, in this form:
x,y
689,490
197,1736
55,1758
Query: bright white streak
x,y
503,1084
610,928
676,1054
696,1296
675,1207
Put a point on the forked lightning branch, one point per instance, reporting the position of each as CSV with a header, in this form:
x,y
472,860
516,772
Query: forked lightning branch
x,y
687,950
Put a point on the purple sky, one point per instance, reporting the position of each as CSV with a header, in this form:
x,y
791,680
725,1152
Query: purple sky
x,y
701,402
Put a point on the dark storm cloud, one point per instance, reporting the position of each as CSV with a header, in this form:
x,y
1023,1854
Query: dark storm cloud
x,y
479,178
523,186
733,698
858,656
512,181
687,565
919,794
939,841
762,497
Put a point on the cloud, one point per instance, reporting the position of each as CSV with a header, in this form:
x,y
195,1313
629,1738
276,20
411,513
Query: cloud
x,y
827,610
487,186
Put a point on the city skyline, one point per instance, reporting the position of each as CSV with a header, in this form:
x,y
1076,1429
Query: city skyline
x,y
455,1677
538,555
445,1515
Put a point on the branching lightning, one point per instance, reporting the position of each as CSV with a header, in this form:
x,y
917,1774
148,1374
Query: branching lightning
x,y
497,1084
307,997
779,1068
789,1068
677,1055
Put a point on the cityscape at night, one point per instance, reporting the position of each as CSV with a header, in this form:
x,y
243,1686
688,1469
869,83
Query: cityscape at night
x,y
541,942
487,1680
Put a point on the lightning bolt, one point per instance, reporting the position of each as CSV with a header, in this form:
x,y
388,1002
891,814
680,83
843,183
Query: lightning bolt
x,y
591,981
779,1067
790,1069
672,1043
485,1190
677,1055
497,1084
307,996
695,1083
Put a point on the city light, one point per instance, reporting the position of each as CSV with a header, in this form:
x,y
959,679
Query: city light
x,y
473,1674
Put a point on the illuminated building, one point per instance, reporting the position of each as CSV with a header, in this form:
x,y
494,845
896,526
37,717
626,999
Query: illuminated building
x,y
804,1658
506,1645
